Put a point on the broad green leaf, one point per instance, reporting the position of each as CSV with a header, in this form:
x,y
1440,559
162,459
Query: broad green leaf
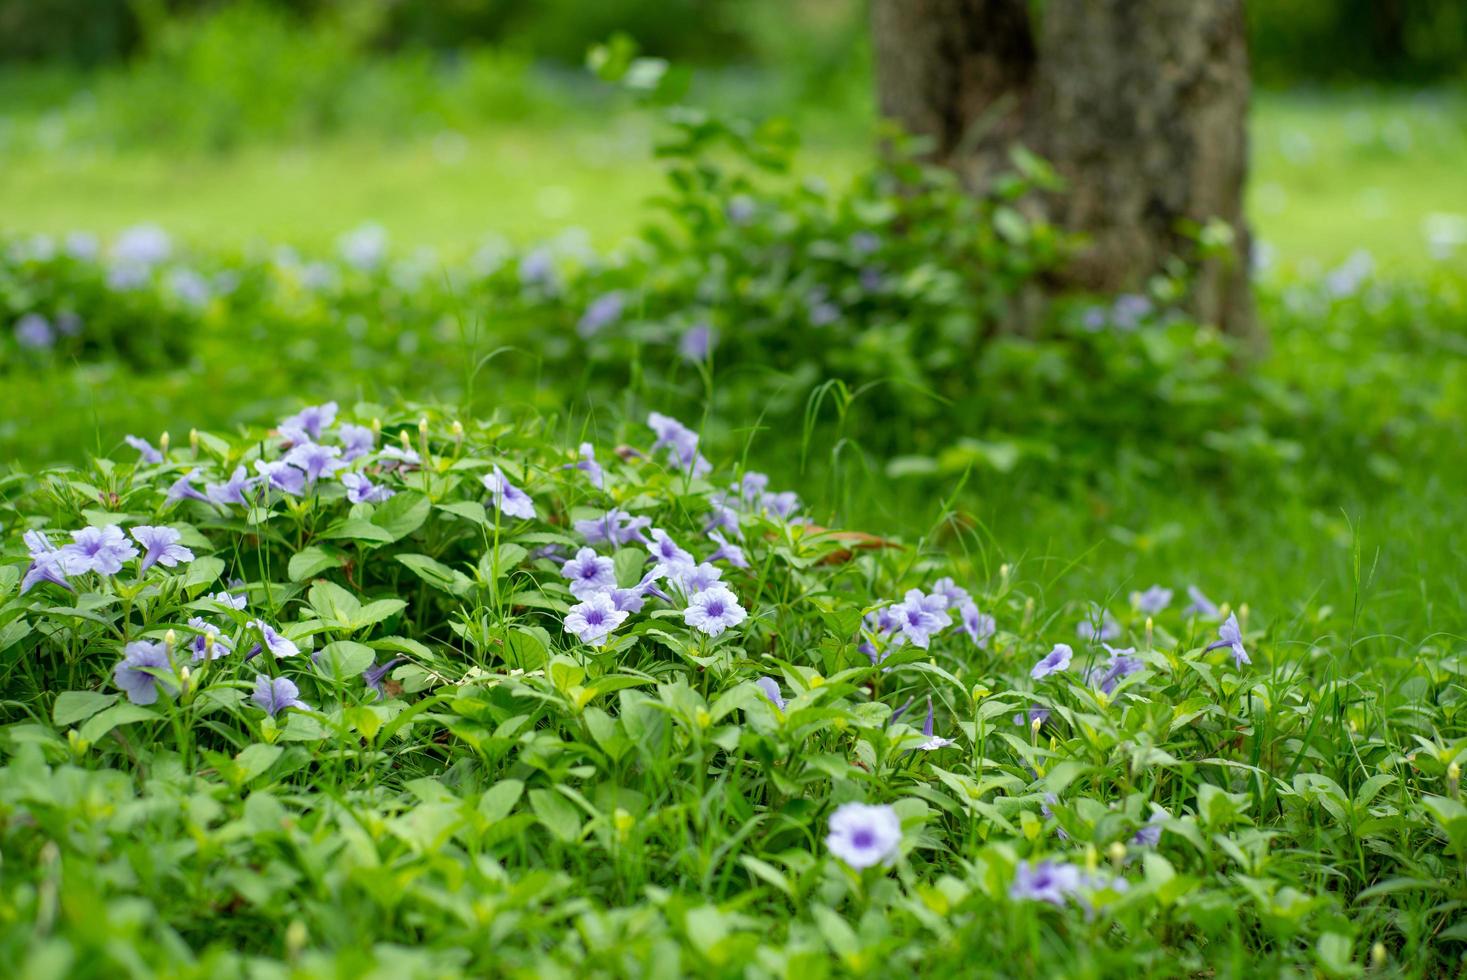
x,y
119,714
345,659
402,514
498,800
437,574
202,573
312,561
334,604
557,814
74,706
375,612
356,529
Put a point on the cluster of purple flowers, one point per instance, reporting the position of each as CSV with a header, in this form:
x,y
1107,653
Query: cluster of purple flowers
x,y
1057,883
922,615
104,550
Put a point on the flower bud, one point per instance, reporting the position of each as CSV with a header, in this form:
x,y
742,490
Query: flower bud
x,y
376,427
1117,853
163,444
704,718
193,440
458,430
1378,955
170,640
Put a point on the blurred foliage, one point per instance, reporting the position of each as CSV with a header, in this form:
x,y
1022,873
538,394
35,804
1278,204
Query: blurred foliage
x,y
818,42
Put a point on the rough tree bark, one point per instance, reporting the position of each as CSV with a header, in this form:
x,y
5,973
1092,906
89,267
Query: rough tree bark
x,y
1140,104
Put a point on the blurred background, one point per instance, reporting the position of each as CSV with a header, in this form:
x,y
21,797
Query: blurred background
x,y
231,123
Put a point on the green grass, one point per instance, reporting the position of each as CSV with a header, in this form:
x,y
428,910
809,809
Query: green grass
x,y
1332,174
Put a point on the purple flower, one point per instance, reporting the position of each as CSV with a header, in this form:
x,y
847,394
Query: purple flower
x,y
360,490
1153,600
282,476
714,610
1107,629
231,491
277,694
681,442
863,835
1053,662
232,601
68,323
602,313
781,505
918,617
183,487
34,331
770,687
979,626
508,498
727,551
589,466
615,527
376,677
1231,635
1045,881
957,597
103,550
315,460
934,742
632,600
740,209
46,562
356,441
865,242
725,517
593,619
280,646
589,573
1121,665
209,643
537,268
1034,714
697,342
144,245
160,547
1149,835
692,579
144,448
364,248
666,552
135,673
400,457
1200,605
752,487
308,424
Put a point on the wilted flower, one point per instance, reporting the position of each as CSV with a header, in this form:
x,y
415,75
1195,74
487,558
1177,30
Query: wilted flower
x,y
863,835
160,547
589,573
770,687
602,313
308,424
315,460
714,610
144,448
282,476
934,742
360,490
1153,600
508,498
1231,635
616,527
376,677
182,488
34,331
135,674
279,645
46,562
231,491
727,551
593,619
1053,662
276,694
979,626
103,550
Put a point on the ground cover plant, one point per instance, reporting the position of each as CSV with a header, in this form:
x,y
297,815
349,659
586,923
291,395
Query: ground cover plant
x,y
398,691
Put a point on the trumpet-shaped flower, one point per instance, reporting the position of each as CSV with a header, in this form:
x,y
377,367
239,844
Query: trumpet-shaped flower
x,y
1054,662
508,498
143,671
714,610
1231,635
160,547
103,550
593,619
46,562
589,573
863,835
277,694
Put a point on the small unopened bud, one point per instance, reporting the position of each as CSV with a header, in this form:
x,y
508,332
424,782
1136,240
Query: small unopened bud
x,y
704,718
208,646
1378,955
170,640
980,692
193,440
1117,853
376,427
458,430
163,444
1003,570
1454,779
1150,629
295,937
1243,615
1092,857
1034,726
402,437
423,426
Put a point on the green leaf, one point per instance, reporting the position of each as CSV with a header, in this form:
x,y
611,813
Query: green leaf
x,y
345,659
469,510
498,800
499,562
557,814
437,574
202,573
312,561
118,714
527,647
74,706
402,514
356,529
334,604
254,760
374,612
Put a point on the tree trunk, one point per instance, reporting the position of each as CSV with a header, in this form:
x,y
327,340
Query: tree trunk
x,y
1140,104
